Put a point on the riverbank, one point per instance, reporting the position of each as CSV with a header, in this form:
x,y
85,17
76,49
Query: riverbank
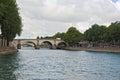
x,y
7,50
100,49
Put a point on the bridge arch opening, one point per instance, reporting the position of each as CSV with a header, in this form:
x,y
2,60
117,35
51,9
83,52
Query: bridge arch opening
x,y
47,44
61,45
28,44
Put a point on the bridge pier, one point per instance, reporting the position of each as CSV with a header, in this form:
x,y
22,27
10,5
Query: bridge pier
x,y
37,46
54,46
19,46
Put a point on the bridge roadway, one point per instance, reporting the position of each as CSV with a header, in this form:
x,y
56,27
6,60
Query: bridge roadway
x,y
38,43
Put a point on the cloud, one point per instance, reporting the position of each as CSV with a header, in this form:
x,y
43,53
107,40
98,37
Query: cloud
x,y
46,17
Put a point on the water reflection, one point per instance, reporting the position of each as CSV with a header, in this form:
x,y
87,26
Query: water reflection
x,y
8,64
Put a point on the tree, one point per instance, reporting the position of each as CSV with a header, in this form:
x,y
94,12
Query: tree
x,y
10,21
58,35
114,31
38,37
72,35
1,10
96,33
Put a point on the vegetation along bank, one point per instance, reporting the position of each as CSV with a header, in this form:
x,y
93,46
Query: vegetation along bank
x,y
10,25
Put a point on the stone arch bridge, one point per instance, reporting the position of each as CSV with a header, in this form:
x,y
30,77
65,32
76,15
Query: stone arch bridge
x,y
38,43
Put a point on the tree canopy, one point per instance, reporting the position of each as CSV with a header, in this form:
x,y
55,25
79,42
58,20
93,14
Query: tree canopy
x,y
72,35
102,33
59,35
114,31
10,20
95,33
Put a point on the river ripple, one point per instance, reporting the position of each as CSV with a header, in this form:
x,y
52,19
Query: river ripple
x,y
45,64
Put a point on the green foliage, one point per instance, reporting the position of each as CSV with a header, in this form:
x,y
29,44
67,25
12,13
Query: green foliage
x,y
58,35
114,31
72,35
10,20
102,33
38,37
96,33
1,10
46,37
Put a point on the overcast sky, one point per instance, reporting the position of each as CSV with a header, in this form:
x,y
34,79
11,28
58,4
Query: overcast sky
x,y
46,17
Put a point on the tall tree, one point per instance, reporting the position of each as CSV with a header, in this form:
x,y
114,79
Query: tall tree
x,y
1,10
114,31
96,33
10,21
72,35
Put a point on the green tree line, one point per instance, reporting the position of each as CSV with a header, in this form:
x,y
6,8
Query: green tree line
x,y
101,33
71,36
10,21
97,33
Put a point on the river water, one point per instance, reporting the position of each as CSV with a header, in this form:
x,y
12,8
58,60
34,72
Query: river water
x,y
45,64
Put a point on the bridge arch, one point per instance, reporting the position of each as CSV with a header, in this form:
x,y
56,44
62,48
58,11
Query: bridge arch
x,y
39,43
47,44
27,45
61,45
30,43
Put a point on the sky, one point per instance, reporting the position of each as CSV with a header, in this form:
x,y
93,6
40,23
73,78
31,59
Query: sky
x,y
47,17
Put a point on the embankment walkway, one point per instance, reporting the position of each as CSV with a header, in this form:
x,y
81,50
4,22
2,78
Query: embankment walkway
x,y
100,49
7,50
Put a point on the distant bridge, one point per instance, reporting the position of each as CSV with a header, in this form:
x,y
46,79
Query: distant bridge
x,y
38,43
